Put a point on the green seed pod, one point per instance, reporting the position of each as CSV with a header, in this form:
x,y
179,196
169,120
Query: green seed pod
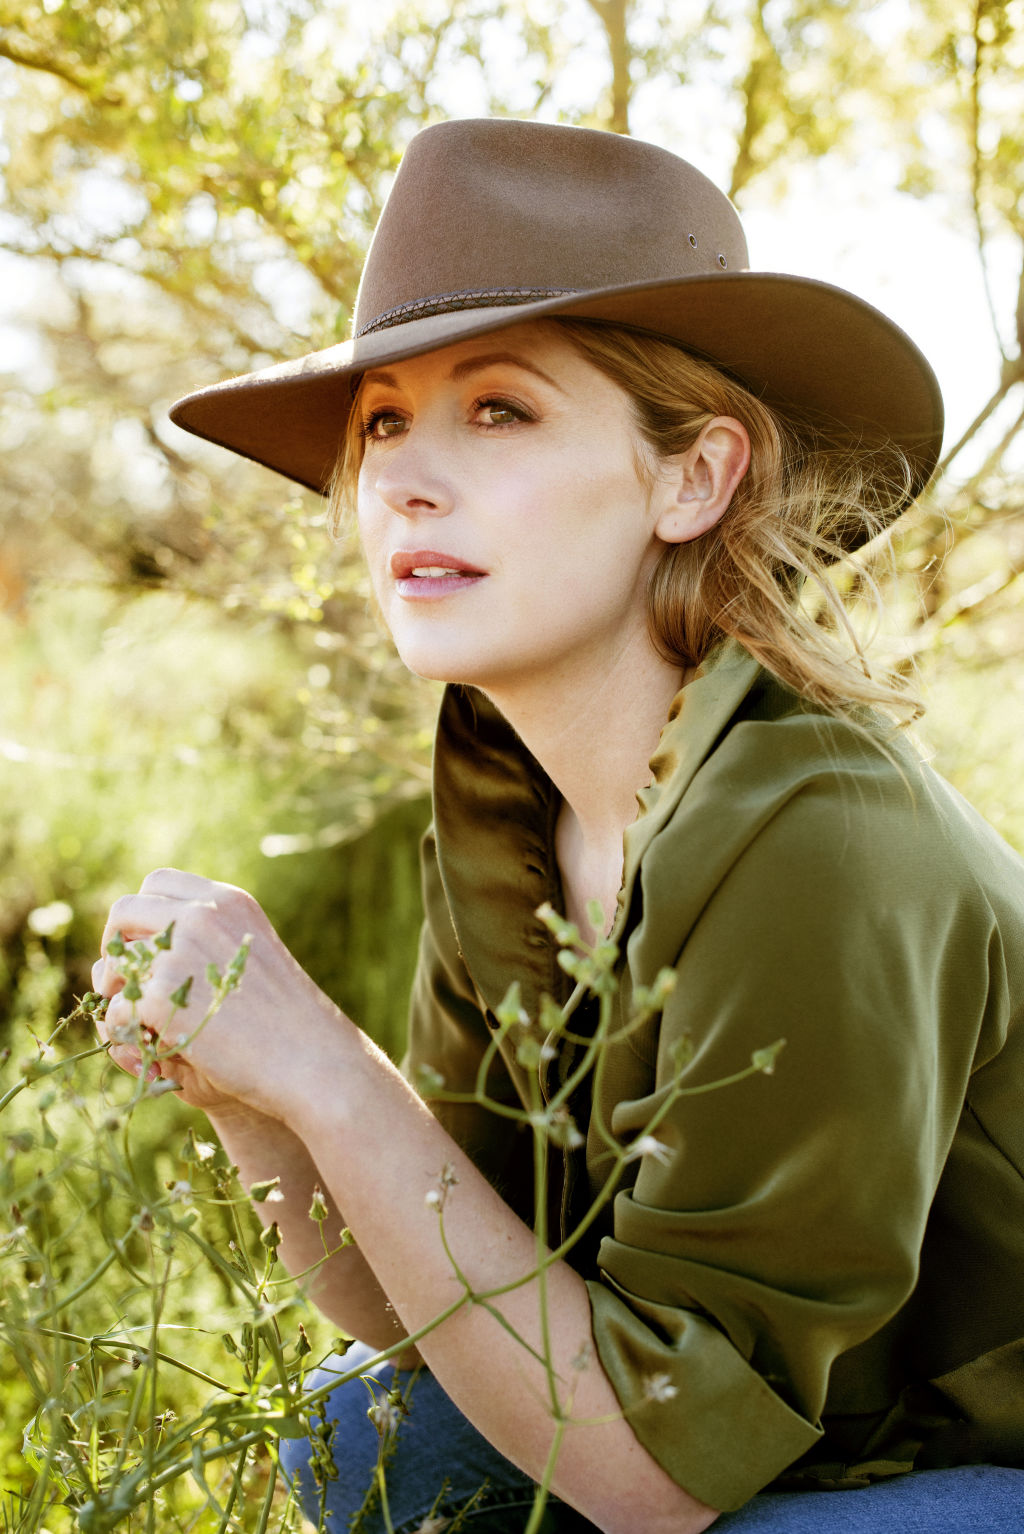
x,y
260,1191
179,998
302,1344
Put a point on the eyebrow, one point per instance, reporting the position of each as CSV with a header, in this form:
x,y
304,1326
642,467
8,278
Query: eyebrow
x,y
469,366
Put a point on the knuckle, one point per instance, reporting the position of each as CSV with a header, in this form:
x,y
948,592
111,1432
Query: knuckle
x,y
233,899
157,877
119,912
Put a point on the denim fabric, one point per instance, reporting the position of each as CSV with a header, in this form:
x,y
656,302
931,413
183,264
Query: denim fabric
x,y
439,1463
973,1499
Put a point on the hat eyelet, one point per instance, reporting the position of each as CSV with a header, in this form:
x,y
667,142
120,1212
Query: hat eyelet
x,y
722,261
693,241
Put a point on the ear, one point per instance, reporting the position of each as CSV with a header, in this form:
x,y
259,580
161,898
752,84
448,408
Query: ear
x,y
701,482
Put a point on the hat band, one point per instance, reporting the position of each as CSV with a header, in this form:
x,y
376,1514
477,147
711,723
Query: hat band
x,y
449,303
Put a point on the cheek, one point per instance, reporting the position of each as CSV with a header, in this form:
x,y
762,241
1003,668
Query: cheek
x,y
371,525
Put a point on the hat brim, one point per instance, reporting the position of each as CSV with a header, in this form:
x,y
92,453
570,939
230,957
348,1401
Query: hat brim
x,y
794,342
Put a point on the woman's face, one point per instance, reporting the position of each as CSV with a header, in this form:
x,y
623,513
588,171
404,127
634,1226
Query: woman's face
x,y
508,533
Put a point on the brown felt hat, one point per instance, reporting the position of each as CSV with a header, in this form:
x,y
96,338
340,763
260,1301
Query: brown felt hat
x,y
494,222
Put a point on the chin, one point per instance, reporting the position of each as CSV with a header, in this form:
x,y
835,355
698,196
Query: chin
x,y
432,666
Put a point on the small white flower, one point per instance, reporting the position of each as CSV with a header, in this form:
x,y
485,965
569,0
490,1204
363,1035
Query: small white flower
x,y
432,1524
385,1416
659,1387
438,1197
558,1125
181,1192
650,1145
127,1033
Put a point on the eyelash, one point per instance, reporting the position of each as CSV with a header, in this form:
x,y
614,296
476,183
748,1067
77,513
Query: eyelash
x,y
503,403
500,401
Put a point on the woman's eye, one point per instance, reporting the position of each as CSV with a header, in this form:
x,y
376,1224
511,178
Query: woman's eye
x,y
381,424
500,412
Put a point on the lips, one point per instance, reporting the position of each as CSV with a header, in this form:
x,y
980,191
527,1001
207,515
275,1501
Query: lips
x,y
430,564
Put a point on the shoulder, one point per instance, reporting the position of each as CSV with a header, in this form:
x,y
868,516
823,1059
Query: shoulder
x,y
851,804
801,833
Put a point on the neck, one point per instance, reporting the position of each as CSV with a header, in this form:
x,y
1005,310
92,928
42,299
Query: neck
x,y
594,739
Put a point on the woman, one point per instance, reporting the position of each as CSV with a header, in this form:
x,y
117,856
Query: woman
x,y
595,461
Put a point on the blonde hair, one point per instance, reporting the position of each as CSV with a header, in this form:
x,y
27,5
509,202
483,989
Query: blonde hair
x,y
764,574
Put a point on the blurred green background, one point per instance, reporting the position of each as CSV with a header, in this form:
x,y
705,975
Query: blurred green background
x,y
189,670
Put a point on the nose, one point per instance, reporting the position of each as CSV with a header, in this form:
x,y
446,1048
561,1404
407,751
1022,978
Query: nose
x,y
409,478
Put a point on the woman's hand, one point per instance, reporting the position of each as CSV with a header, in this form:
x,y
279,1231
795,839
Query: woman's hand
x,y
264,1032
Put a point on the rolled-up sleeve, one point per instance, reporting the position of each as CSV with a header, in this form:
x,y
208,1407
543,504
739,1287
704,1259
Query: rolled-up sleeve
x,y
785,1228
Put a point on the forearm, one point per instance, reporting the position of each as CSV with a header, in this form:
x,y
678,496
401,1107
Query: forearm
x,y
343,1286
387,1152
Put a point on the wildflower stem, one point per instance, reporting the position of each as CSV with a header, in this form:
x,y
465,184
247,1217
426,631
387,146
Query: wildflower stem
x,y
268,1497
58,1065
86,1284
103,1344
544,1486
541,1155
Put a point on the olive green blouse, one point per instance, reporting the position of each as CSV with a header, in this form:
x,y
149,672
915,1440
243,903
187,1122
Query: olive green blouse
x,y
824,1283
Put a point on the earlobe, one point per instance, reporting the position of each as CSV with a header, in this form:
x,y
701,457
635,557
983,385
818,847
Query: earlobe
x,y
702,481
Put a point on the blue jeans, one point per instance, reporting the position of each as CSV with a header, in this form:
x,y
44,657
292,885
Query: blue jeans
x,y
436,1464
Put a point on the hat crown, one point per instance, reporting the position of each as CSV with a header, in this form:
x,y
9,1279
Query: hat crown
x,y
502,211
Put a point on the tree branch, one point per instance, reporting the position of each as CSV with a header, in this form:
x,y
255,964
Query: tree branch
x,y
1009,378
614,18
49,66
977,171
937,535
761,48
994,459
963,603
208,313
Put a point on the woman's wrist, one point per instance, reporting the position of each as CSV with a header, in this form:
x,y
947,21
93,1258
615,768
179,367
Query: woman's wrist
x,y
320,1067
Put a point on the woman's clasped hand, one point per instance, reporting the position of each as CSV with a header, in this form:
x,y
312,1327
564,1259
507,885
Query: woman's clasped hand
x,y
220,1001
